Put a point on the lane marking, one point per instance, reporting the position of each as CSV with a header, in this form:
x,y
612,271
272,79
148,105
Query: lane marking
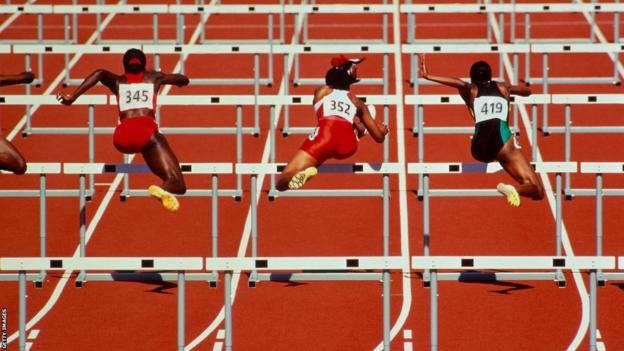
x,y
63,281
403,213
408,346
218,346
407,334
242,249
567,246
13,17
107,198
221,334
33,334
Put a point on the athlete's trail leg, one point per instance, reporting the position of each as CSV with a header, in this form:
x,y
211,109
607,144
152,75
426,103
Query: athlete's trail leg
x,y
10,159
302,166
517,165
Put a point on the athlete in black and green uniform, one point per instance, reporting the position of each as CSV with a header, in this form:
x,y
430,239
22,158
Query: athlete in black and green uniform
x,y
488,102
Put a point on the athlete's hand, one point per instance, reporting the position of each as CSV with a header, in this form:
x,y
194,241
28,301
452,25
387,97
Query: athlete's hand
x,y
65,99
28,76
423,66
383,128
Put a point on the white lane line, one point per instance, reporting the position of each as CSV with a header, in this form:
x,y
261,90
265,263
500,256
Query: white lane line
x,y
221,334
403,213
12,18
244,243
601,37
218,346
29,346
103,206
407,334
567,246
408,346
33,334
61,284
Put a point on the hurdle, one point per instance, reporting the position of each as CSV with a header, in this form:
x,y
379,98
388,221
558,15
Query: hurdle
x,y
145,264
214,169
234,265
598,169
42,169
567,129
558,263
426,169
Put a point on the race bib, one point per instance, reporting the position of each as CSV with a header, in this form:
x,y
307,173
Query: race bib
x,y
135,96
339,106
490,107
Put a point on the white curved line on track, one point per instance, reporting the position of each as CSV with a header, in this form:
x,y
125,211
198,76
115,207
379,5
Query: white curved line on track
x,y
565,239
242,248
400,128
111,190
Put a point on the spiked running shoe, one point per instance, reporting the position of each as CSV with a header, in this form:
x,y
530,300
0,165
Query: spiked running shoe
x,y
299,179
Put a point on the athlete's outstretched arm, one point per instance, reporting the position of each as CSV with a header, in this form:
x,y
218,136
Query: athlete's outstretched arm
x,y
449,81
519,90
176,79
99,76
11,79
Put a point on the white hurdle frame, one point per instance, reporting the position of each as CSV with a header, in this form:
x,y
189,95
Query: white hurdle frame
x,y
426,169
255,169
567,129
434,263
150,264
235,265
214,169
598,169
42,169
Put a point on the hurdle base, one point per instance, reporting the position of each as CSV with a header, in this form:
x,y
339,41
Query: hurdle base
x,y
40,279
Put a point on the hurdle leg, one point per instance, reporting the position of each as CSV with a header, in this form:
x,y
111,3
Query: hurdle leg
x,y
126,181
545,91
91,122
426,234
227,288
22,310
286,79
386,310
600,277
239,150
272,142
28,68
433,308
568,146
421,146
253,277
559,277
593,325
83,223
98,24
181,309
534,132
256,71
527,56
282,23
155,27
39,81
215,225
270,56
42,226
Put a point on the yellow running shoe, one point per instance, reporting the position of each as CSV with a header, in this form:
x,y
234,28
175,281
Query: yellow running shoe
x,y
510,192
167,199
299,179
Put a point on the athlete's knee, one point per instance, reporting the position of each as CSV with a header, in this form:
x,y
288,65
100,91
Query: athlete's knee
x,y
538,192
20,168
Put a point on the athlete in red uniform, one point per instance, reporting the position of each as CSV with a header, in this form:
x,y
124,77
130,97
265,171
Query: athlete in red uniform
x,y
342,118
10,159
137,131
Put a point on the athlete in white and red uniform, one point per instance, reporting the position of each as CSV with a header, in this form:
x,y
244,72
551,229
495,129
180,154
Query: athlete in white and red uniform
x,y
11,159
342,118
137,131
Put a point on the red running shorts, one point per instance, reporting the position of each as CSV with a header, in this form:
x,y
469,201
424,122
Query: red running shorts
x,y
133,134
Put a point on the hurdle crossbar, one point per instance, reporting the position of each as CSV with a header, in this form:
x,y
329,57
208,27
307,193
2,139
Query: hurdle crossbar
x,y
478,167
305,263
360,168
103,168
513,262
100,263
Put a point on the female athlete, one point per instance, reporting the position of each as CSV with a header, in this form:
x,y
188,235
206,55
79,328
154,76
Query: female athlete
x,y
342,120
137,131
488,103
